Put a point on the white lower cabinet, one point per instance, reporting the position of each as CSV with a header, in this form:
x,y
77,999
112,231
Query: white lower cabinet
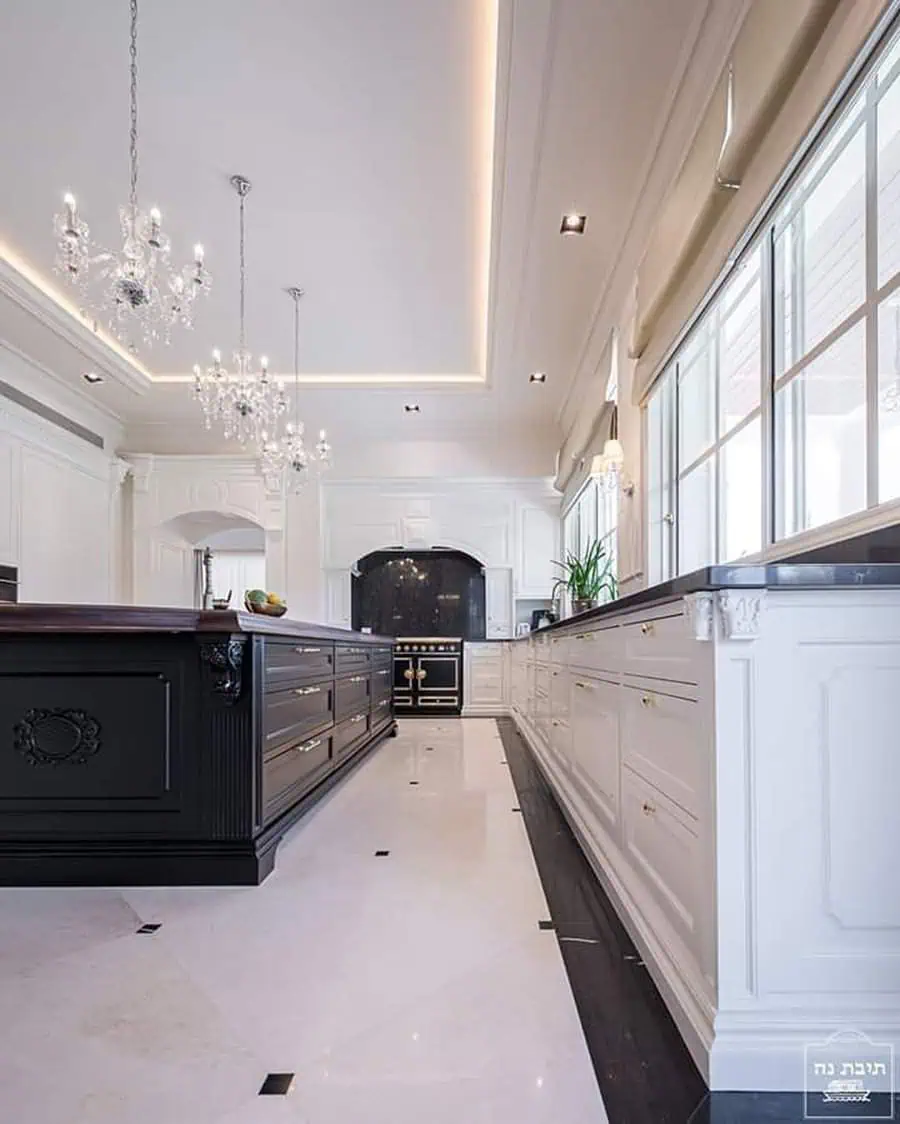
x,y
485,679
728,760
595,744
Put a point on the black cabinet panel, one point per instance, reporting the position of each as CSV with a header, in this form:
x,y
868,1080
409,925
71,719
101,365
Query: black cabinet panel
x,y
420,593
351,695
292,770
73,738
349,733
349,658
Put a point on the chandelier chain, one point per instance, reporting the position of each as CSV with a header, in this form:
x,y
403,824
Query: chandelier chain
x,y
243,275
297,294
133,150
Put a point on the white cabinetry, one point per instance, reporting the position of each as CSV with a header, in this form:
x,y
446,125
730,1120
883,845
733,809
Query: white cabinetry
x,y
729,763
485,679
498,602
539,531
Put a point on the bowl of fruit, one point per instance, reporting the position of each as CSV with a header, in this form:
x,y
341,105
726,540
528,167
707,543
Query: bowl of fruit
x,y
266,604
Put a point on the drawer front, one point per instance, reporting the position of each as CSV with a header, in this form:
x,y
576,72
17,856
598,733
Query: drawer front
x,y
350,733
663,740
664,850
350,657
351,695
295,713
598,649
294,661
595,744
288,773
561,742
660,648
381,681
381,657
381,713
560,691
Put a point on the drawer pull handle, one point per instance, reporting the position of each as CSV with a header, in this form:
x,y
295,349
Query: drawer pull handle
x,y
308,651
584,686
384,702
647,628
357,718
357,679
310,746
385,672
648,700
307,690
648,809
409,673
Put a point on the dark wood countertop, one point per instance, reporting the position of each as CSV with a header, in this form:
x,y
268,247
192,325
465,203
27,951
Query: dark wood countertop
x,y
38,618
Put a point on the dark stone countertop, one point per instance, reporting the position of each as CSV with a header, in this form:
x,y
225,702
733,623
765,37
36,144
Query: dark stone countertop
x,y
775,575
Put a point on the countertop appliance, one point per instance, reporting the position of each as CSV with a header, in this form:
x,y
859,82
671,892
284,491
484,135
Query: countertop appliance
x,y
538,614
428,675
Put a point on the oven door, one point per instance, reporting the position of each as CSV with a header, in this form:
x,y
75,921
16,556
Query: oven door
x,y
404,682
437,680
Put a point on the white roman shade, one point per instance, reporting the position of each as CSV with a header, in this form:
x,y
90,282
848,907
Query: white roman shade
x,y
787,61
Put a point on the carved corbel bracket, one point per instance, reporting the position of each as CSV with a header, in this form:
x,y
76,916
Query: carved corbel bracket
x,y
226,661
698,612
740,611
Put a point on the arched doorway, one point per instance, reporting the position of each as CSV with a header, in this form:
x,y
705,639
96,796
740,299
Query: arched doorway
x,y
237,547
436,592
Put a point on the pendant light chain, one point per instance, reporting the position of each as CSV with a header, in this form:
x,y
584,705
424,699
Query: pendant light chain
x,y
243,272
133,202
297,294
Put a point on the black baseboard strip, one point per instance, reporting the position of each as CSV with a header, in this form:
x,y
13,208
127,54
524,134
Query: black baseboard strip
x,y
645,1073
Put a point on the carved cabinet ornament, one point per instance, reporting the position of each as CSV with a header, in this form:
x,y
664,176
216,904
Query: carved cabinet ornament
x,y
56,737
698,612
740,611
226,660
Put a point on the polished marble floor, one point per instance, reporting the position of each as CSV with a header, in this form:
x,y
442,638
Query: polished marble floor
x,y
409,987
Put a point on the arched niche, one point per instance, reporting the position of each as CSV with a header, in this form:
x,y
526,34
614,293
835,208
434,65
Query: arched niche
x,y
419,592
238,547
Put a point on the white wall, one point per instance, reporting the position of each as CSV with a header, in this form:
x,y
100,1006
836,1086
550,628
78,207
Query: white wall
x,y
60,497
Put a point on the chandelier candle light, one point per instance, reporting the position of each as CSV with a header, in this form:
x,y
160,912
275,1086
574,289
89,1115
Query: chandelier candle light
x,y
247,403
289,454
143,295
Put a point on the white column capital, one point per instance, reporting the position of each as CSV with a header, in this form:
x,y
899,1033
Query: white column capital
x,y
740,611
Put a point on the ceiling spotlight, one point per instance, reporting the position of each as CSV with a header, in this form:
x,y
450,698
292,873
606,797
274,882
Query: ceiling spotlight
x,y
573,224
412,408
538,376
92,377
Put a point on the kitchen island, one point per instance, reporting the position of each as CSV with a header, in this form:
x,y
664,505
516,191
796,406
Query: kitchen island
x,y
144,746
725,748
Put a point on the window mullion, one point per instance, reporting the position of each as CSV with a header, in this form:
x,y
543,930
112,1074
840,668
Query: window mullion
x,y
871,183
766,385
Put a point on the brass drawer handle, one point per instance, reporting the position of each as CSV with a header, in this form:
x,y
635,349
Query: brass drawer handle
x,y
308,651
648,700
310,746
647,628
584,686
409,673
648,809
307,690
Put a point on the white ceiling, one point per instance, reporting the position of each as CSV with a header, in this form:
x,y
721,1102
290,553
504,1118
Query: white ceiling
x,y
367,130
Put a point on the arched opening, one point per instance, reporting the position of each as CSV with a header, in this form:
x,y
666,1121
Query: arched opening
x,y
237,548
437,592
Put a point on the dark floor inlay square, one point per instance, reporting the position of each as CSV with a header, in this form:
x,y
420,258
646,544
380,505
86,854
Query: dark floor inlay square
x,y
413,782
149,928
381,854
517,809
276,1085
546,925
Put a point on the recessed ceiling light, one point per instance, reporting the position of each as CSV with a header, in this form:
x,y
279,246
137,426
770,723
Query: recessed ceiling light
x,y
92,377
411,408
573,224
537,376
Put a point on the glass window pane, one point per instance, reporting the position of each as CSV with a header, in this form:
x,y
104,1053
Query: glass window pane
x,y
696,518
889,184
741,483
821,437
696,395
820,258
659,484
740,344
889,399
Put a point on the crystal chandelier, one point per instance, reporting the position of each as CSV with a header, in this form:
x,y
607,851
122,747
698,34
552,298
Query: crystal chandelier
x,y
288,454
606,468
142,293
246,404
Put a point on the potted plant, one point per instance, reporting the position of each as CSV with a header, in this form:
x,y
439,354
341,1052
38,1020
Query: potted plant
x,y
587,577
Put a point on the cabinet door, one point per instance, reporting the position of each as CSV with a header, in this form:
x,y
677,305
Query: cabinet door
x,y
595,744
538,546
498,601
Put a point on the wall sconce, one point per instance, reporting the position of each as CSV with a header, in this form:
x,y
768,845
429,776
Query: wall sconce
x,y
607,467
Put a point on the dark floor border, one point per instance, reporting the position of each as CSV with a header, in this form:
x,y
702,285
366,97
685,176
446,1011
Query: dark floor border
x,y
643,1068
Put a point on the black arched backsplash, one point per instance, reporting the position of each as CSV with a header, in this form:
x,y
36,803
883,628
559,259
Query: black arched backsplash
x,y
419,593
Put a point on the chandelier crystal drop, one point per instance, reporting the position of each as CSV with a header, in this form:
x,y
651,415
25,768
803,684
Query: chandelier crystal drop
x,y
246,403
143,296
288,455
